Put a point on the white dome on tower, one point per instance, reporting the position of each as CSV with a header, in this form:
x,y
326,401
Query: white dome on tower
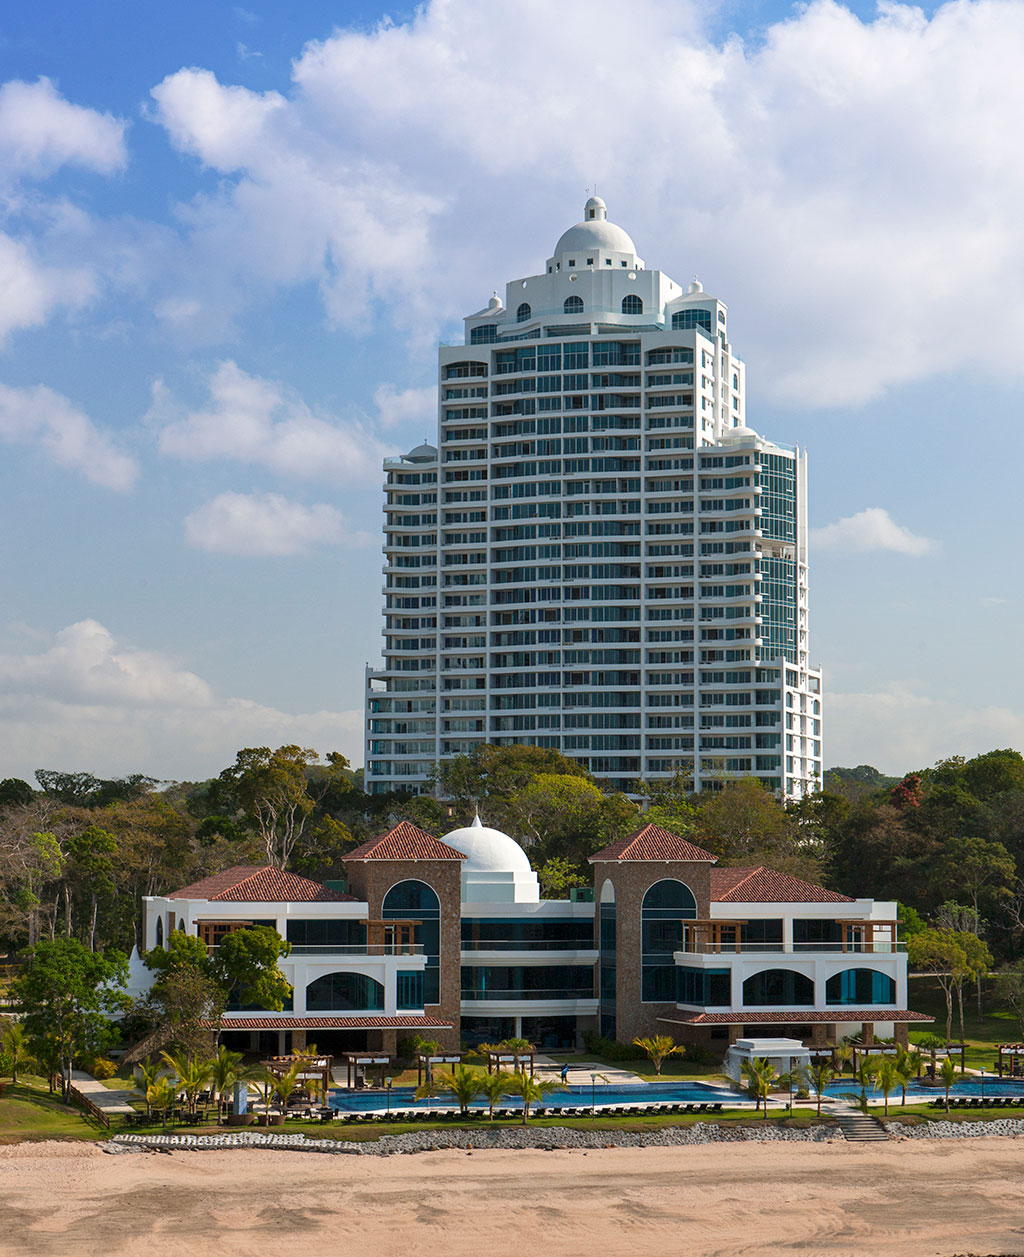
x,y
496,868
597,235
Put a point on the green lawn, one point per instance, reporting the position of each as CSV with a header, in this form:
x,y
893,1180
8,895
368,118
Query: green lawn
x,y
914,1113
28,1111
996,1025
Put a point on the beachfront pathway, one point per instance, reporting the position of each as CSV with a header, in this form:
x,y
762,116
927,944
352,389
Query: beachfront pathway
x,y
105,1098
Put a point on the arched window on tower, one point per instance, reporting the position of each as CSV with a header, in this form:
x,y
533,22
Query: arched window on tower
x,y
632,304
417,902
523,313
663,909
573,305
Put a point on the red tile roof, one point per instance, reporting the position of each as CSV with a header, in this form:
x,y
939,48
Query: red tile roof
x,y
331,1023
763,885
651,842
405,841
253,883
775,1017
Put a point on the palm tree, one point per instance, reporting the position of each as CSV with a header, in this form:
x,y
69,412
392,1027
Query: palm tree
x,y
908,1062
947,1072
464,1083
818,1075
865,1079
658,1047
760,1074
887,1075
192,1073
287,1083
160,1095
530,1088
225,1071
748,1071
146,1074
494,1086
16,1046
265,1081
843,1052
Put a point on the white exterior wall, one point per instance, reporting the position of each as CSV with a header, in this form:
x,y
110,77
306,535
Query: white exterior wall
x,y
818,965
450,692
299,970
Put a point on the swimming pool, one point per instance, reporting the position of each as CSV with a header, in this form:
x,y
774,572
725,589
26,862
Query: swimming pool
x,y
573,1097
970,1087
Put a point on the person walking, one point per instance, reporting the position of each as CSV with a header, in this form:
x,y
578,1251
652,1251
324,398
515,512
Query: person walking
x,y
564,1075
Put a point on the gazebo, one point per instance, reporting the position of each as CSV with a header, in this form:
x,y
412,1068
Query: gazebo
x,y
1011,1059
318,1067
516,1059
360,1061
425,1063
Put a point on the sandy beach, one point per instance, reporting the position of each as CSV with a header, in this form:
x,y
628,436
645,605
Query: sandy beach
x,y
935,1197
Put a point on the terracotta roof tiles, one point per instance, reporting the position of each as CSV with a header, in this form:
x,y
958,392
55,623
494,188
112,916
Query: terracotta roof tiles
x,y
778,1017
272,1022
249,883
764,885
405,841
652,842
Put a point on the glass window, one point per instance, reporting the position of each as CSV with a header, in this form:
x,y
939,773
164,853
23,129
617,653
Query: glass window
x,y
523,313
632,304
416,901
687,319
860,987
410,988
344,992
776,988
572,305
664,908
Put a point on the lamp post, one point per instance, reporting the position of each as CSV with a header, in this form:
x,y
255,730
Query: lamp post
x,y
387,1084
593,1094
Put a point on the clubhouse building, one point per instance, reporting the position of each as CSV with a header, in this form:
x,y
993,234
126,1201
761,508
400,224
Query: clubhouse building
x,y
449,938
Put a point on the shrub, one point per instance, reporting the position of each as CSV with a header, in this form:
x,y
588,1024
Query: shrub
x,y
103,1067
6,1063
609,1049
700,1055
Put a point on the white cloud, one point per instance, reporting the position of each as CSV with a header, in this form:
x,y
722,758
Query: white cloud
x,y
259,422
83,700
900,729
843,183
84,664
409,406
262,525
47,420
31,290
40,131
868,531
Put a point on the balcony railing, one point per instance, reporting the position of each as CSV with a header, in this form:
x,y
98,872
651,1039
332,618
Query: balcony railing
x,y
357,949
533,944
725,949
550,993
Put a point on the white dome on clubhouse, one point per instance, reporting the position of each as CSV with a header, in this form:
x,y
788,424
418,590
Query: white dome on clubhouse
x,y
496,868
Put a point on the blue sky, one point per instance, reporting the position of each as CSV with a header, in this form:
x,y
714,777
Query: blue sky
x,y
231,236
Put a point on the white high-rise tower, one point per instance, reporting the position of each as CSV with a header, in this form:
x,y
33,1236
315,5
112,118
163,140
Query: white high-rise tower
x,y
598,555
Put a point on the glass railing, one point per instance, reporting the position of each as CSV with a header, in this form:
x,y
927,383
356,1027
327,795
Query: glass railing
x,y
356,949
716,949
532,944
542,993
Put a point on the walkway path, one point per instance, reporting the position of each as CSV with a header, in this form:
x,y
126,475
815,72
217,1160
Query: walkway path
x,y
105,1098
581,1075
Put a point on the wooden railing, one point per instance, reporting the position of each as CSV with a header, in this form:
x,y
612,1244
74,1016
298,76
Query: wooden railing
x,y
92,1109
